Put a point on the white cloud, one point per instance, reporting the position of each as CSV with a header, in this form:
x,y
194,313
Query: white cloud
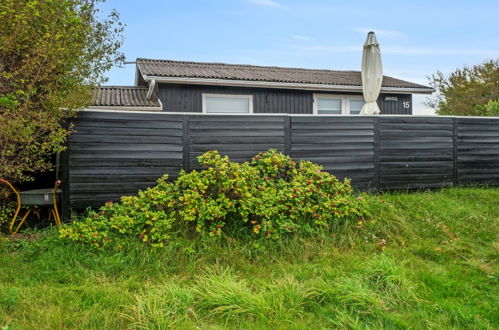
x,y
267,3
381,33
302,37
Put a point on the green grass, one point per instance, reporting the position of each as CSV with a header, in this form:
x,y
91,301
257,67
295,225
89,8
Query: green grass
x,y
424,260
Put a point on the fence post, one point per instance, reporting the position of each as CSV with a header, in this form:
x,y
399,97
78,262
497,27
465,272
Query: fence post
x,y
186,143
287,135
64,172
455,180
376,149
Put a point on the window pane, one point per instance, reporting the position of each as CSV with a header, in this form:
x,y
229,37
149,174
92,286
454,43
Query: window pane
x,y
329,106
216,104
356,106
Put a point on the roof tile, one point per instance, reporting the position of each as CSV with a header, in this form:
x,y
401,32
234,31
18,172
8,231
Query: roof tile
x,y
184,69
123,96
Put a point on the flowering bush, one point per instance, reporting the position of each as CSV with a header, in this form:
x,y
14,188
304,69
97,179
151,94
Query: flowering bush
x,y
265,198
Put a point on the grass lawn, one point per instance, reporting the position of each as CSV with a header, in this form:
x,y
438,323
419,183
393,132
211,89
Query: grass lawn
x,y
424,260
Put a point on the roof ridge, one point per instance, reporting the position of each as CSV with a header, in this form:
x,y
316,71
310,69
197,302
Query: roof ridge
x,y
242,65
122,87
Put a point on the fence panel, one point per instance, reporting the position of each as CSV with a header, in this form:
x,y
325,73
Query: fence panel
x,y
343,145
416,152
239,137
112,154
117,153
477,147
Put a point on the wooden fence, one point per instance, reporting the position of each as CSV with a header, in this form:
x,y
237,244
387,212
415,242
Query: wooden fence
x,y
117,153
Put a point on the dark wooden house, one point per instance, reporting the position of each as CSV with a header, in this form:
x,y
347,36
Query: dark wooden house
x,y
214,88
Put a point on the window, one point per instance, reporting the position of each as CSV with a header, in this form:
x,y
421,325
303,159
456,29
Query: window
x,y
227,103
356,106
332,104
329,106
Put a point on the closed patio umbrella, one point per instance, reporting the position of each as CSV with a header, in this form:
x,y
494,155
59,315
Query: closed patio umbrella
x,y
372,75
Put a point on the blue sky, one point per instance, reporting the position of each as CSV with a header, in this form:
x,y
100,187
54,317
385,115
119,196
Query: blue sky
x,y
417,37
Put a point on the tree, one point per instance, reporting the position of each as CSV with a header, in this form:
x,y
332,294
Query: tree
x,y
52,52
467,91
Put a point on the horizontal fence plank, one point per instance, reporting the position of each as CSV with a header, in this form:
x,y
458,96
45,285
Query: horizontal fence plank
x,y
99,115
108,123
477,121
237,139
235,132
126,131
334,139
106,154
235,119
213,125
256,147
333,152
125,139
399,133
125,147
110,178
331,125
110,186
123,162
405,146
332,133
89,172
415,126
416,120
332,146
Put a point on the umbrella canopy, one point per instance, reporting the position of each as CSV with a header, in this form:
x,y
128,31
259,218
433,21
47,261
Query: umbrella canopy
x,y
372,75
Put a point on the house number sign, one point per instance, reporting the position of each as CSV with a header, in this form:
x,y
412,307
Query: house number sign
x,y
405,104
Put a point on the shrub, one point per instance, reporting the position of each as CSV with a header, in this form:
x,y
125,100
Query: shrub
x,y
7,209
51,53
264,198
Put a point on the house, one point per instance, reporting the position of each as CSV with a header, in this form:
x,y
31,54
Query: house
x,y
215,88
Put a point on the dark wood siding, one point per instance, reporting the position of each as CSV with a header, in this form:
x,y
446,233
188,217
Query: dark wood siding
x,y
188,98
395,104
117,153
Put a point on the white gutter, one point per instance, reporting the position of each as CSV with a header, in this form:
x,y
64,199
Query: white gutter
x,y
284,85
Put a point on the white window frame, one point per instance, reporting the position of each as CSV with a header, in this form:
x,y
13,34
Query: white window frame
x,y
345,103
229,96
